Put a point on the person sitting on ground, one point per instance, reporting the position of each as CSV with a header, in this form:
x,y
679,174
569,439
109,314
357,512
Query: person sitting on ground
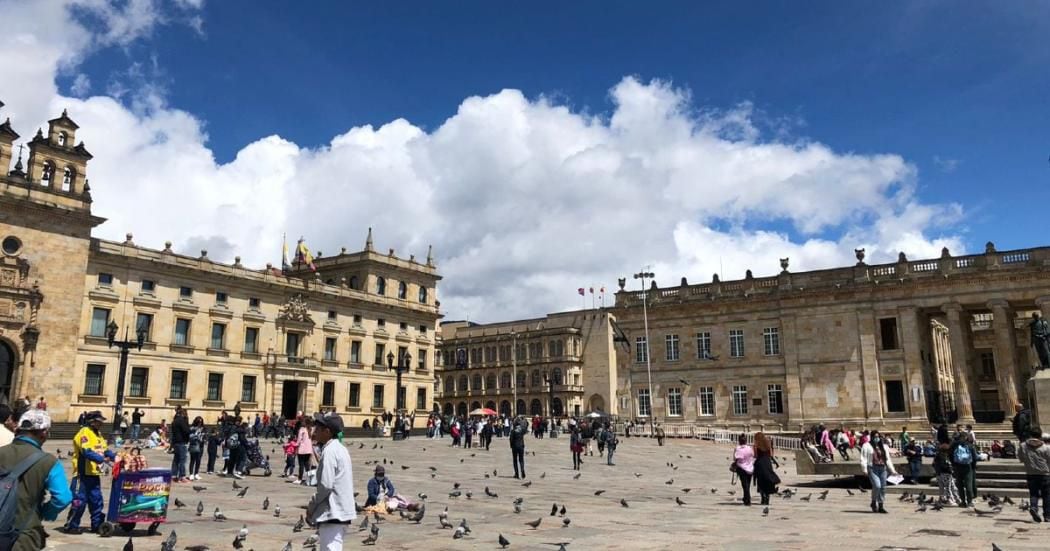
x,y
1009,450
379,487
929,449
997,449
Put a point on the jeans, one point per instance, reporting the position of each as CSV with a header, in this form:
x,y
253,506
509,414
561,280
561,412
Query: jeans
x,y
330,536
87,492
576,461
877,475
195,462
608,456
1039,488
211,459
135,429
844,451
745,484
304,464
914,468
518,457
963,483
234,460
178,462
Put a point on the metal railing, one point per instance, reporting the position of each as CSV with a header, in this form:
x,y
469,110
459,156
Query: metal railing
x,y
720,436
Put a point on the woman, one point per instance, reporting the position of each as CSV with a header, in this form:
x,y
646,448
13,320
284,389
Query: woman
x,y
575,445
196,447
875,461
826,443
123,424
304,448
765,476
744,466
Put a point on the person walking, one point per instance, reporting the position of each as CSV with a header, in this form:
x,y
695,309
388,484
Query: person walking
x,y
214,441
876,463
1022,422
517,449
1035,454
963,459
35,472
611,441
744,466
198,439
90,450
575,445
136,423
180,441
332,507
304,449
942,465
765,475
235,446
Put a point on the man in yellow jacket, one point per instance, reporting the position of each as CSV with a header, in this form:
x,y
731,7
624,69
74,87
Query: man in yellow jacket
x,y
90,450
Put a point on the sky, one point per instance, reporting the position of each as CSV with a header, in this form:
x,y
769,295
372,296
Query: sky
x,y
545,146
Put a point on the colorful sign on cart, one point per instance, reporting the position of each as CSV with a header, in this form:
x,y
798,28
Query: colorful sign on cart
x,y
144,496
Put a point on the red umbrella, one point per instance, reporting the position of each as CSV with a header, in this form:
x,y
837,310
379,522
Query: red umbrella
x,y
483,411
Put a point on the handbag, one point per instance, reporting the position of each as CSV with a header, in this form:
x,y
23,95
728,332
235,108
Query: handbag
x,y
733,467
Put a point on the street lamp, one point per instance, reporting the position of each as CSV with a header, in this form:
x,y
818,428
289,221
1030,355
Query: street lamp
x,y
514,379
550,387
124,345
402,366
643,275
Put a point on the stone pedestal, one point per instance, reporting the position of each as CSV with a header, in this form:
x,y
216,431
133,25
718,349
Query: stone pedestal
x,y
1039,398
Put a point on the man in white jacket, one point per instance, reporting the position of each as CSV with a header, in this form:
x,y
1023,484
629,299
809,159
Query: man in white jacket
x,y
332,507
876,462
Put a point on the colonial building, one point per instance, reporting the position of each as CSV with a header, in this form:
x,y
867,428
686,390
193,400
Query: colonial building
x,y
911,341
215,334
562,364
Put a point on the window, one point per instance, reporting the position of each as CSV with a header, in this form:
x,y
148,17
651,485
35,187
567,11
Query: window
x,y
401,351
556,375
895,397
888,329
707,400
144,322
403,327
671,348
490,381
357,319
421,399
99,321
62,138
329,348
987,365
291,345
450,384
186,293
739,400
641,350
422,295
328,394
105,280
251,340
96,374
353,282
377,396
421,359
332,315
521,379
771,341
423,330
47,176
475,383
218,336
248,388
402,290
139,382
381,324
215,387
182,332
253,303
355,352
645,407
355,395
380,351
703,345
178,385
221,298
736,343
776,399
674,402
504,380
380,286
536,381
148,286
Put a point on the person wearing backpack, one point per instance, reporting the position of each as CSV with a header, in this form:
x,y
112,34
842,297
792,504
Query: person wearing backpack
x,y
942,465
198,440
963,459
90,450
22,505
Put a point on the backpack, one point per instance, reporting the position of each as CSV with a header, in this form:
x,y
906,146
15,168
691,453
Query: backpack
x,y
9,482
962,455
234,441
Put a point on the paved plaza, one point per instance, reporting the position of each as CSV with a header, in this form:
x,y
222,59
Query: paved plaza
x,y
642,477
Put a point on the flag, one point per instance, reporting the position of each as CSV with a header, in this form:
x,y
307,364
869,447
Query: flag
x,y
592,290
603,290
284,258
581,291
302,255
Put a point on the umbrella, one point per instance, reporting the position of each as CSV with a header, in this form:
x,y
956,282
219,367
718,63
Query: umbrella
x,y
483,411
596,414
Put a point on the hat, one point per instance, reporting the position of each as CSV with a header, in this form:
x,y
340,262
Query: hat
x,y
94,416
330,420
34,419
380,470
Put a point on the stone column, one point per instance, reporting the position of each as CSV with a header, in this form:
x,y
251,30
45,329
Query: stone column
x,y
912,329
1044,306
1005,353
794,405
959,341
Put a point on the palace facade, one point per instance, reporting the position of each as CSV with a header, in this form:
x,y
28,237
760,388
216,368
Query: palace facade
x,y
215,335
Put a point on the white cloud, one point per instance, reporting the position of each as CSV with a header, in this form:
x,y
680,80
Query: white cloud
x,y
524,199
81,85
946,165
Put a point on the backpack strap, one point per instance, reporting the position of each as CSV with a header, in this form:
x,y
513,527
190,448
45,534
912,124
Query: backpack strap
x,y
25,464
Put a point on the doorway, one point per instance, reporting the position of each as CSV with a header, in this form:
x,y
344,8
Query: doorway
x,y
291,396
8,361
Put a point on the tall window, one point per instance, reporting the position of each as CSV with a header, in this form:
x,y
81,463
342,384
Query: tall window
x,y
47,177
380,351
422,295
218,336
328,393
771,341
645,406
888,329
291,344
739,400
144,322
736,343
215,387
475,383
776,399
139,382
251,340
490,381
99,321
380,285
221,298
464,384
504,380
329,348
707,400
536,380
703,345
248,388
641,350
671,348
674,402
355,352
421,399
377,396
895,397
402,290
421,359
521,379
987,365
355,395
182,332
178,384
96,374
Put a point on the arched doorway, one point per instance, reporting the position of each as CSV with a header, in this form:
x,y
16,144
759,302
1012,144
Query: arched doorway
x,y
8,364
536,407
491,405
521,407
461,409
504,408
556,407
449,410
475,405
596,403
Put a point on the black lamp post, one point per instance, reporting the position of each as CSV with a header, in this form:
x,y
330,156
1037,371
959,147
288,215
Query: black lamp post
x,y
124,345
550,385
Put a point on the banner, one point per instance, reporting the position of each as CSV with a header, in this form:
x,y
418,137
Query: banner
x,y
144,496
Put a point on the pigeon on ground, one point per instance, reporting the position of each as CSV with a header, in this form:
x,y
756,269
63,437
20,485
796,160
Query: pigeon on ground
x,y
242,492
277,511
848,491
266,503
455,485
669,482
287,547
364,525
503,542
237,543
179,504
554,509
218,516
459,532
490,493
544,475
455,494
565,522
686,490
444,522
469,494
463,525
807,498
299,524
765,511
599,492
404,467
823,495
562,511
243,534
577,476
200,508
199,489
311,541
527,484
129,546
236,486
624,502
679,501
535,524
418,517
169,542
421,495
517,508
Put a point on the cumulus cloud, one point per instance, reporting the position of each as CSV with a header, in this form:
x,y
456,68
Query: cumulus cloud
x,y
524,199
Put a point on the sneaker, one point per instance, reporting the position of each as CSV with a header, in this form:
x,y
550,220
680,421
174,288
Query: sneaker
x,y
1035,515
238,476
882,509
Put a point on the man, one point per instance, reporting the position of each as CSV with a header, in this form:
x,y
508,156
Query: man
x,y
611,441
1035,454
180,441
90,450
42,473
913,452
1040,336
332,507
136,423
1022,422
7,425
379,487
904,438
517,449
963,458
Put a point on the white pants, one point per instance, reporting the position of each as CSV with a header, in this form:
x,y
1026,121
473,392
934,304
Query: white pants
x,y
330,536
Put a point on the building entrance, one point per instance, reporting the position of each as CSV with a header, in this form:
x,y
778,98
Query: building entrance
x,y
291,398
8,361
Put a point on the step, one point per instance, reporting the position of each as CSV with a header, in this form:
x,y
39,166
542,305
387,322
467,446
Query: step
x,y
1000,475
1014,493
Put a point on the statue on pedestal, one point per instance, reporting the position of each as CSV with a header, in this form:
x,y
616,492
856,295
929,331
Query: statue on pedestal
x,y
1040,331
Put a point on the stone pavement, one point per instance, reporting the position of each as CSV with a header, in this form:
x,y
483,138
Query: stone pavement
x,y
652,520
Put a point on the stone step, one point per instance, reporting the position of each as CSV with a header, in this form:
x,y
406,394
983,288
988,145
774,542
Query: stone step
x,y
1014,493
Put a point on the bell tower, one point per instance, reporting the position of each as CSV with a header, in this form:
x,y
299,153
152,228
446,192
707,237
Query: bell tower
x,y
7,141
55,163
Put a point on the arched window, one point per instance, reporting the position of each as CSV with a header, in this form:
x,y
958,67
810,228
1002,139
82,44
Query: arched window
x,y
422,295
463,386
68,177
475,405
491,405
476,382
448,408
521,380
536,407
490,381
504,381
553,348
504,408
556,375
47,177
380,285
402,290
556,406
521,407
62,137
561,347
450,384
353,282
461,409
536,380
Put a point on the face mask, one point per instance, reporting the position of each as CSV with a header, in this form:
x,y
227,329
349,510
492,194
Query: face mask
x,y
876,440
380,478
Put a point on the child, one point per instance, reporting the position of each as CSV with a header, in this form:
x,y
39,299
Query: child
x,y
213,449
290,449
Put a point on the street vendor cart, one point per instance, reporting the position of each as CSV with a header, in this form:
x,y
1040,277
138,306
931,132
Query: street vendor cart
x,y
137,496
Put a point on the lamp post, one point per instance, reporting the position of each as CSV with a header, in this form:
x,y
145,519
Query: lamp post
x,y
514,378
124,345
550,387
643,275
402,366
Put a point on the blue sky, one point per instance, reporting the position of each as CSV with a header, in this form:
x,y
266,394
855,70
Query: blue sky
x,y
957,90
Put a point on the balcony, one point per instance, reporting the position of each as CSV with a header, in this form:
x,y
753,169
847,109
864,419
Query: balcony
x,y
296,362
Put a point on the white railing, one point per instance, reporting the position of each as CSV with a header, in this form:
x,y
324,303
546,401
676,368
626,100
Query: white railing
x,y
720,436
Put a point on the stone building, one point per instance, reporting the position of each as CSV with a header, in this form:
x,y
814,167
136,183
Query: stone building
x,y
215,334
888,344
565,364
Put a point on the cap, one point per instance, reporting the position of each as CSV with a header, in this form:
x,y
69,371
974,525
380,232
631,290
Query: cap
x,y
34,419
94,416
380,470
330,420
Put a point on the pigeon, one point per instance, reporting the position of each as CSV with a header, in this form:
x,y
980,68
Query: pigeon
x,y
469,495
179,504
599,492
287,547
848,491
463,525
242,492
544,475
237,543
996,547
364,525
200,508
679,501
444,522
669,482
765,511
577,476
823,495
527,484
714,490
459,532
455,494
266,503
565,522
535,524
455,485
129,546
922,508
236,486
624,502
686,490
299,525
311,541
807,498
404,467
517,508
218,516
490,493
197,548
418,517
199,489
373,536
503,542
637,475
243,534
519,500
554,509
562,511
277,511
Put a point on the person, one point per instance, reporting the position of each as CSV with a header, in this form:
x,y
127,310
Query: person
x,y
1040,337
660,435
1022,422
455,433
235,446
379,487
90,449
180,441
486,435
826,445
1009,451
41,404
942,434
304,449
40,473
842,443
123,424
290,448
7,425
136,423
942,465
332,507
575,445
198,439
904,438
929,449
744,466
876,463
963,459
611,441
765,476
913,453
214,441
1035,454
517,449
